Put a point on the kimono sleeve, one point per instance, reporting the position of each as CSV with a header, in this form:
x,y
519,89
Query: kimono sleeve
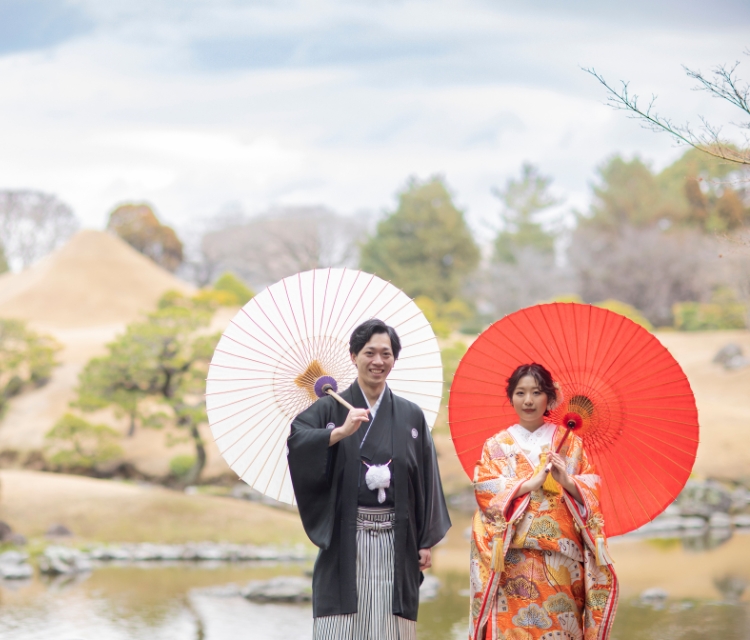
x,y
589,484
497,480
436,519
311,463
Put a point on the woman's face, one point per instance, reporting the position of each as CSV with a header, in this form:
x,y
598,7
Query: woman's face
x,y
530,402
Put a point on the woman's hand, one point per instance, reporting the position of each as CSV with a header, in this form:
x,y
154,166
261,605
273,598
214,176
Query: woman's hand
x,y
425,559
560,473
533,483
556,464
353,422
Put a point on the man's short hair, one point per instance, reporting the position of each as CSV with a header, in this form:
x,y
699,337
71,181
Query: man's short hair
x,y
362,334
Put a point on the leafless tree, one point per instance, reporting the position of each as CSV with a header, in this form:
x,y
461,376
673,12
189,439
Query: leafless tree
x,y
648,268
32,224
533,277
279,243
722,83
735,252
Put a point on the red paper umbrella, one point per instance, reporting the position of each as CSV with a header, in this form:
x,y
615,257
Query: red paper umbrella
x,y
639,420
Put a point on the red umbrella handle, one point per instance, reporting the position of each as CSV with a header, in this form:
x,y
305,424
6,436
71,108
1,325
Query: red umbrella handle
x,y
572,421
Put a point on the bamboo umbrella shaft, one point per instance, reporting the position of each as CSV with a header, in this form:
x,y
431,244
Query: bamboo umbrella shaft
x,y
327,388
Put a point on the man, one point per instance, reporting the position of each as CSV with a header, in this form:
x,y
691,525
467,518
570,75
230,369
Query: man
x,y
369,494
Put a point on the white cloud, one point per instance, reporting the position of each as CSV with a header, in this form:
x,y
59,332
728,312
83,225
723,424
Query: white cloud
x,y
337,103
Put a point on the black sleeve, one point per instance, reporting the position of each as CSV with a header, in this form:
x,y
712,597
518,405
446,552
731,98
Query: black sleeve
x,y
311,463
436,519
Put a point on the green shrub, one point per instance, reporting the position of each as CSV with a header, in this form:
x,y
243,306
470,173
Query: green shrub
x,y
723,312
629,311
445,317
697,316
211,298
451,356
75,444
566,297
430,309
26,358
230,283
181,465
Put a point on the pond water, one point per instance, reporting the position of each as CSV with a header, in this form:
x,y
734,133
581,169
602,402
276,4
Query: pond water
x,y
705,587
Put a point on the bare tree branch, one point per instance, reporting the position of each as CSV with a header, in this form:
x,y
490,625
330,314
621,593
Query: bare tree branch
x,y
724,85
32,224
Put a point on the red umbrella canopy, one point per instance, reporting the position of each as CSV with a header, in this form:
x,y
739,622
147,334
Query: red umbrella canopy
x,y
640,423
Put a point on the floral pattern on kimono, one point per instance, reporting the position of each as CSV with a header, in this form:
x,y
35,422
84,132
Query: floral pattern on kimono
x,y
554,578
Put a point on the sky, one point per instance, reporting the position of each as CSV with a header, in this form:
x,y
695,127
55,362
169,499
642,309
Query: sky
x,y
203,107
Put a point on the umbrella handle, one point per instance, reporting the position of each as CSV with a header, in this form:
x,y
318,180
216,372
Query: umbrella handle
x,y
327,388
548,468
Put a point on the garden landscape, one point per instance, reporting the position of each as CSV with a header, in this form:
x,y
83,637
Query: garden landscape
x,y
119,518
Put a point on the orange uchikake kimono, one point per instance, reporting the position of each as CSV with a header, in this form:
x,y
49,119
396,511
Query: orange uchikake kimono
x,y
553,578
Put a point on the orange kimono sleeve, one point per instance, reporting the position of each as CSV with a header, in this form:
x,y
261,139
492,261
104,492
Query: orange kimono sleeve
x,y
498,476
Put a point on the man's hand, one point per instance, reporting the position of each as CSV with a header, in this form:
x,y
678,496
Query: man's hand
x,y
425,559
353,422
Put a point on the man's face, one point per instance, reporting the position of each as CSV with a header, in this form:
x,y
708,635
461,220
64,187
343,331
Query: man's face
x,y
375,361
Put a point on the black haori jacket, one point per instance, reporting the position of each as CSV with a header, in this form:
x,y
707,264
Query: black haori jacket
x,y
325,481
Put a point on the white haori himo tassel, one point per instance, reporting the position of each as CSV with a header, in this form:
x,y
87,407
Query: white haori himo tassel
x,y
378,478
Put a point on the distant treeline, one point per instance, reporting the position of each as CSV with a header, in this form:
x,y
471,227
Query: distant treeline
x,y
671,248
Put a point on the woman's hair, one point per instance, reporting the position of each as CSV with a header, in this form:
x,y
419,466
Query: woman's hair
x,y
362,334
543,379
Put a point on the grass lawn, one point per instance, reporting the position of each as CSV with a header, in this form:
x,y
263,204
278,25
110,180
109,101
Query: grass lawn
x,y
112,511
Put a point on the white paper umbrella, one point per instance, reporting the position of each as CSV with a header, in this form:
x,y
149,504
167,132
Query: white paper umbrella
x,y
265,366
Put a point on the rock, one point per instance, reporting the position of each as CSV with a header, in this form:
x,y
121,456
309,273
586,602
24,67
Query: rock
x,y
736,363
654,597
58,560
202,551
661,524
220,591
668,524
150,552
741,520
720,520
243,491
731,587
13,557
727,352
465,501
284,589
58,531
731,357
5,531
14,566
16,572
702,498
740,499
107,554
693,523
429,588
213,552
16,539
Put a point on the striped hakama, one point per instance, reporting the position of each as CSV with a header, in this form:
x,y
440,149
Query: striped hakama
x,y
374,619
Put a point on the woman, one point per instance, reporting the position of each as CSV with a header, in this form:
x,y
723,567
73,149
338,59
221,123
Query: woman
x,y
539,563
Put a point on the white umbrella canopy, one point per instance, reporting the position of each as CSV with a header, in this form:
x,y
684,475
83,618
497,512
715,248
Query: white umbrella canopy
x,y
265,366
